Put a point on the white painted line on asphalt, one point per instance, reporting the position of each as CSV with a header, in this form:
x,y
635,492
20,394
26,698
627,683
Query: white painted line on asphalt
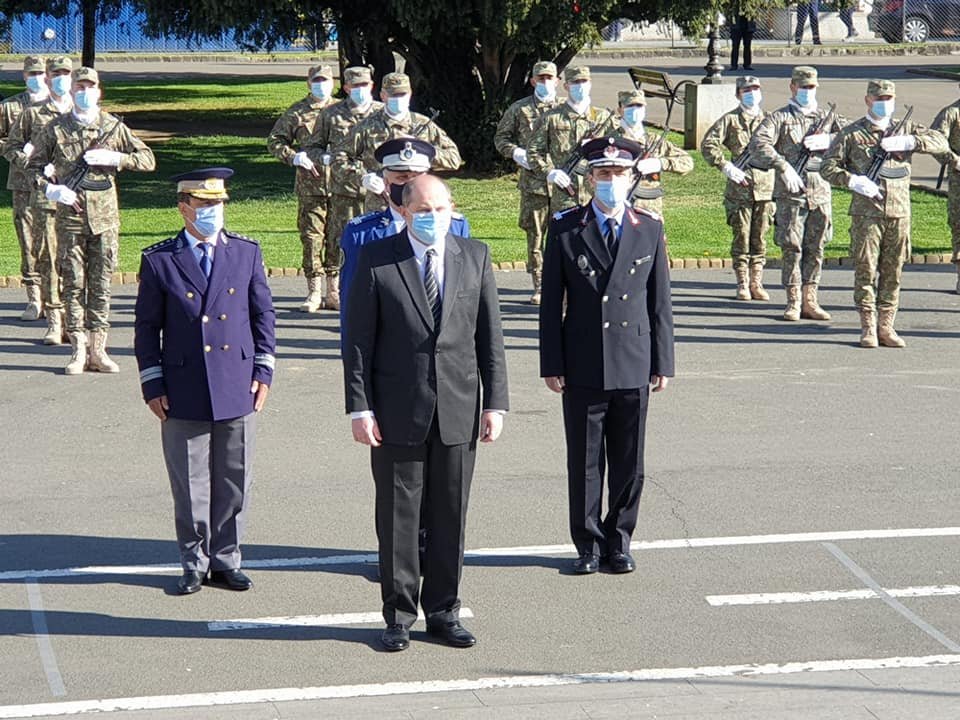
x,y
367,618
522,551
868,580
244,697
47,657
830,595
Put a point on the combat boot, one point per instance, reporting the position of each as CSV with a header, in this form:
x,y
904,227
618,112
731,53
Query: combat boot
x,y
743,285
332,301
537,278
34,309
810,308
792,311
314,299
885,333
98,359
756,283
54,334
868,328
78,359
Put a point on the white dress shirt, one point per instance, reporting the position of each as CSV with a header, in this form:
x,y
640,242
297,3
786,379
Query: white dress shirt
x,y
194,244
420,253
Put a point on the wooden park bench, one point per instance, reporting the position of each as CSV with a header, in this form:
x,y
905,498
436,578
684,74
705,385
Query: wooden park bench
x,y
657,84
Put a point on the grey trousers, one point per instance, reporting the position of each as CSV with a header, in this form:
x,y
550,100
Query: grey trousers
x,y
210,465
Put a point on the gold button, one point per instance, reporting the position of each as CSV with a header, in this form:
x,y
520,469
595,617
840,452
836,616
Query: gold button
x,y
207,348
624,323
624,296
190,295
205,319
223,317
231,291
225,347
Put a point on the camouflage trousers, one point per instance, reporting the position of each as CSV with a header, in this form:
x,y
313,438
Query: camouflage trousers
x,y
23,226
45,255
86,263
800,234
879,249
750,223
534,220
320,256
341,210
953,214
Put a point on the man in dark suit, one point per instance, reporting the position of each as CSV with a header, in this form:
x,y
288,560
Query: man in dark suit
x,y
423,338
204,340
615,340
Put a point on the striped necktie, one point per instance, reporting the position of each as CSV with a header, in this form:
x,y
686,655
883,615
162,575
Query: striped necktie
x,y
205,259
432,287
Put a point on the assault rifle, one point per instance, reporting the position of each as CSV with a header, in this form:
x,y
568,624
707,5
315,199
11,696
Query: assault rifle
x,y
77,178
650,150
880,155
576,155
801,165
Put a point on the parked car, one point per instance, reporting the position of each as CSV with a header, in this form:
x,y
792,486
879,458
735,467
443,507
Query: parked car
x,y
915,20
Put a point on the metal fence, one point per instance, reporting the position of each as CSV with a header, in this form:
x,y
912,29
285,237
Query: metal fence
x,y
916,20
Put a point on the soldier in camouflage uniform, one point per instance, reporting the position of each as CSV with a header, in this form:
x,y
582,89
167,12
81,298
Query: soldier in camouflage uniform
x,y
18,184
880,207
665,157
559,133
513,134
18,149
748,199
947,122
356,163
345,199
803,215
286,143
88,218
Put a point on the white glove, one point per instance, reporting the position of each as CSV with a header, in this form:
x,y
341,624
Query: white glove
x,y
865,186
28,149
49,170
559,178
817,141
301,160
899,143
103,158
373,183
520,158
649,166
791,179
733,172
61,194
326,159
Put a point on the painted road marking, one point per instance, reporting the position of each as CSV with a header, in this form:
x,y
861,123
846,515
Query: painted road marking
x,y
830,595
47,657
243,697
367,618
522,551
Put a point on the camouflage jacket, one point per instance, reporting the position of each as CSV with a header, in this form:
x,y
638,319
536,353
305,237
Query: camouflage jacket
x,y
673,158
330,134
852,153
733,132
63,143
514,130
28,129
288,136
947,123
779,141
556,135
10,111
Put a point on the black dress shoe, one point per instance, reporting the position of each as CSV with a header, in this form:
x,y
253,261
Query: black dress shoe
x,y
190,582
453,634
748,67
395,638
622,563
586,564
230,579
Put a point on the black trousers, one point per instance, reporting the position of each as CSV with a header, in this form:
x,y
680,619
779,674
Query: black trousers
x,y
432,479
736,36
812,10
605,432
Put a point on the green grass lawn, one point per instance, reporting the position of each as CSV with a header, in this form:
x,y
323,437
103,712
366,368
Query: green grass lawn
x,y
217,123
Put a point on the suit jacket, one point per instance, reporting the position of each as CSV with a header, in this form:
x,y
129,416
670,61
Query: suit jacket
x,y
395,362
618,327
201,342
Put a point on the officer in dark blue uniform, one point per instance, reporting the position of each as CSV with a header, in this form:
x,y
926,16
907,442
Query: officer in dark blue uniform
x,y
608,263
204,341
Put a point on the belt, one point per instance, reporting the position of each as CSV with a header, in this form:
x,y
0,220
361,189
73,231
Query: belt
x,y
890,172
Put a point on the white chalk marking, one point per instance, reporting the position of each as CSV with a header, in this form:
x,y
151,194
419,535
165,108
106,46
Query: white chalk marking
x,y
830,595
367,618
42,635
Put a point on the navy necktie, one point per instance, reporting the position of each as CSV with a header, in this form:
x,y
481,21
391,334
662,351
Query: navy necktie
x,y
610,236
205,258
432,287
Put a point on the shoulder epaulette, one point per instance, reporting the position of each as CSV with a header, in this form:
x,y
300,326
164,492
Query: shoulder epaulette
x,y
169,242
365,218
560,214
237,236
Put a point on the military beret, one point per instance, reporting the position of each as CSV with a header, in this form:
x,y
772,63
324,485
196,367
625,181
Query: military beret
x,y
881,87
33,63
88,74
207,183
325,71
59,62
611,152
747,81
631,97
405,154
804,75
576,72
357,74
544,67
397,83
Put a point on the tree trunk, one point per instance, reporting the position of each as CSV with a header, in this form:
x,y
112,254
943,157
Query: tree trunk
x,y
89,11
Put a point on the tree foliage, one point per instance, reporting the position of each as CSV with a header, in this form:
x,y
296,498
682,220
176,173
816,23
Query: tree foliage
x,y
91,12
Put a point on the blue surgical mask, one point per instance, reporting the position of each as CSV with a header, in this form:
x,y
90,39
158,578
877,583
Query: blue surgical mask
x,y
430,227
398,104
805,96
60,85
751,98
579,91
86,100
613,193
209,220
882,108
321,89
35,83
360,95
633,115
545,91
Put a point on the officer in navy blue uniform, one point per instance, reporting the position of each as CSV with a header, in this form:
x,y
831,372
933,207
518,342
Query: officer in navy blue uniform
x,y
401,160
204,341
613,343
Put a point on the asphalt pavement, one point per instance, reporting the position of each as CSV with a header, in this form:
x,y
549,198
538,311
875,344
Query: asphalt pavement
x,y
797,553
